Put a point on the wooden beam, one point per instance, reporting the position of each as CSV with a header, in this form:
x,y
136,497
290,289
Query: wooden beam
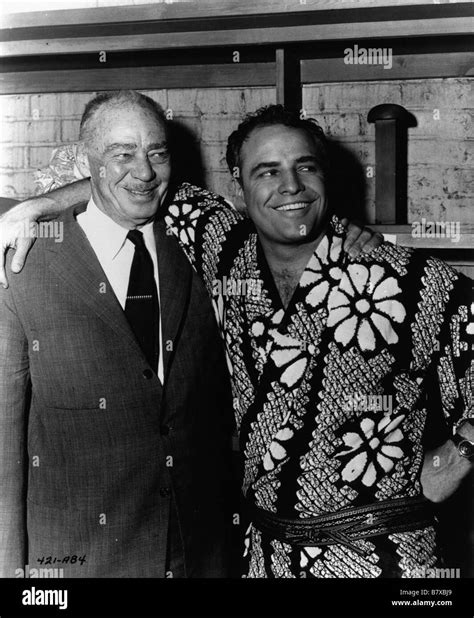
x,y
288,79
236,38
408,66
194,9
139,78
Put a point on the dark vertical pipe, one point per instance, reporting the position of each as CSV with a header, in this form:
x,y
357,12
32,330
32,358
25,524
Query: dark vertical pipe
x,y
391,124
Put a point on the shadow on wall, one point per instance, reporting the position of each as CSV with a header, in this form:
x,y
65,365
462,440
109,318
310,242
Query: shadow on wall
x,y
347,183
186,155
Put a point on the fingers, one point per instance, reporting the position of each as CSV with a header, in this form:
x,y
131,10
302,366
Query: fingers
x,y
23,246
360,239
356,237
3,275
374,241
353,231
5,243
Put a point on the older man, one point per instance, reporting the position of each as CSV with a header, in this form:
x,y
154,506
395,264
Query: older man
x,y
114,398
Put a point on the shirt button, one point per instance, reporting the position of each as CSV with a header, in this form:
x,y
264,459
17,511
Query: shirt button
x,y
148,374
164,430
165,492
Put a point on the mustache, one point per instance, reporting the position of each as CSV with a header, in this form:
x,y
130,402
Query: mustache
x,y
142,187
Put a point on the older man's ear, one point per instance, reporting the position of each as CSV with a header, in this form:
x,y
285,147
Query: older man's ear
x,y
82,160
360,239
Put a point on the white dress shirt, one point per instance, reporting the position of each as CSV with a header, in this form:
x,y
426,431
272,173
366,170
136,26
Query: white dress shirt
x,y
115,254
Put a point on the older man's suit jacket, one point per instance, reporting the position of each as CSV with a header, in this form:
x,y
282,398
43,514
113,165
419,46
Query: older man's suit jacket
x,y
93,449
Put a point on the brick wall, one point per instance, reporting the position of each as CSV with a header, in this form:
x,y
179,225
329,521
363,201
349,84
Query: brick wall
x,y
440,147
440,154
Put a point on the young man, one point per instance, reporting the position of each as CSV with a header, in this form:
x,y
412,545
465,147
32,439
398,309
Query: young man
x,y
338,365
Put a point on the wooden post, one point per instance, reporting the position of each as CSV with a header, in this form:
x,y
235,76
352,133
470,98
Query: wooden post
x,y
391,123
288,80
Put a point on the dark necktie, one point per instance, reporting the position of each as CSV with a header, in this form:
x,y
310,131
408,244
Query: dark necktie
x,y
141,306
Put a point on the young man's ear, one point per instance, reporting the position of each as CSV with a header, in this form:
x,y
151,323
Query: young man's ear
x,y
82,160
238,194
238,191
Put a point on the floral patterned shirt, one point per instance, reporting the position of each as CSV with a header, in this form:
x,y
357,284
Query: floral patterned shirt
x,y
335,396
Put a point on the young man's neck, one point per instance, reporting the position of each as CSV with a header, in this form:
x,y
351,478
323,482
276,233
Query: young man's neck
x,y
291,255
287,263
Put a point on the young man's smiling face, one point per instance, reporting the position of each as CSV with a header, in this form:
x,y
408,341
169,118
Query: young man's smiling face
x,y
129,164
283,185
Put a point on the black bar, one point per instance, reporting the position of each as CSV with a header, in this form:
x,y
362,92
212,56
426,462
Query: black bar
x,y
315,598
242,22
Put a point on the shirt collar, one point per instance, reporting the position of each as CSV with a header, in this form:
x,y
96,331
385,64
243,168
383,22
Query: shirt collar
x,y
105,233
148,235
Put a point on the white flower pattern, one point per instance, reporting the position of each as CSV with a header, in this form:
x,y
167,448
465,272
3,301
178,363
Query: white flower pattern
x,y
183,221
277,451
262,330
364,305
322,272
372,449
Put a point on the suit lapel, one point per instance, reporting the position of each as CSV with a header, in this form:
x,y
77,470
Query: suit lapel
x,y
76,264
175,284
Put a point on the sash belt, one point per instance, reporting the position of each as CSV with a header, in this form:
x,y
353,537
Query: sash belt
x,y
347,525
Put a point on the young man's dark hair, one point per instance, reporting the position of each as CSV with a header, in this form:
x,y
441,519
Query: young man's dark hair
x,y
274,115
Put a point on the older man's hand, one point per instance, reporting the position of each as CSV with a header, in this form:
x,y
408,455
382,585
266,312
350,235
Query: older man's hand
x,y
360,239
16,227
17,224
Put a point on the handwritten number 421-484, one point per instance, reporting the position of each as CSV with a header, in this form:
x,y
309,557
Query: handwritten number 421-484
x,y
66,560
